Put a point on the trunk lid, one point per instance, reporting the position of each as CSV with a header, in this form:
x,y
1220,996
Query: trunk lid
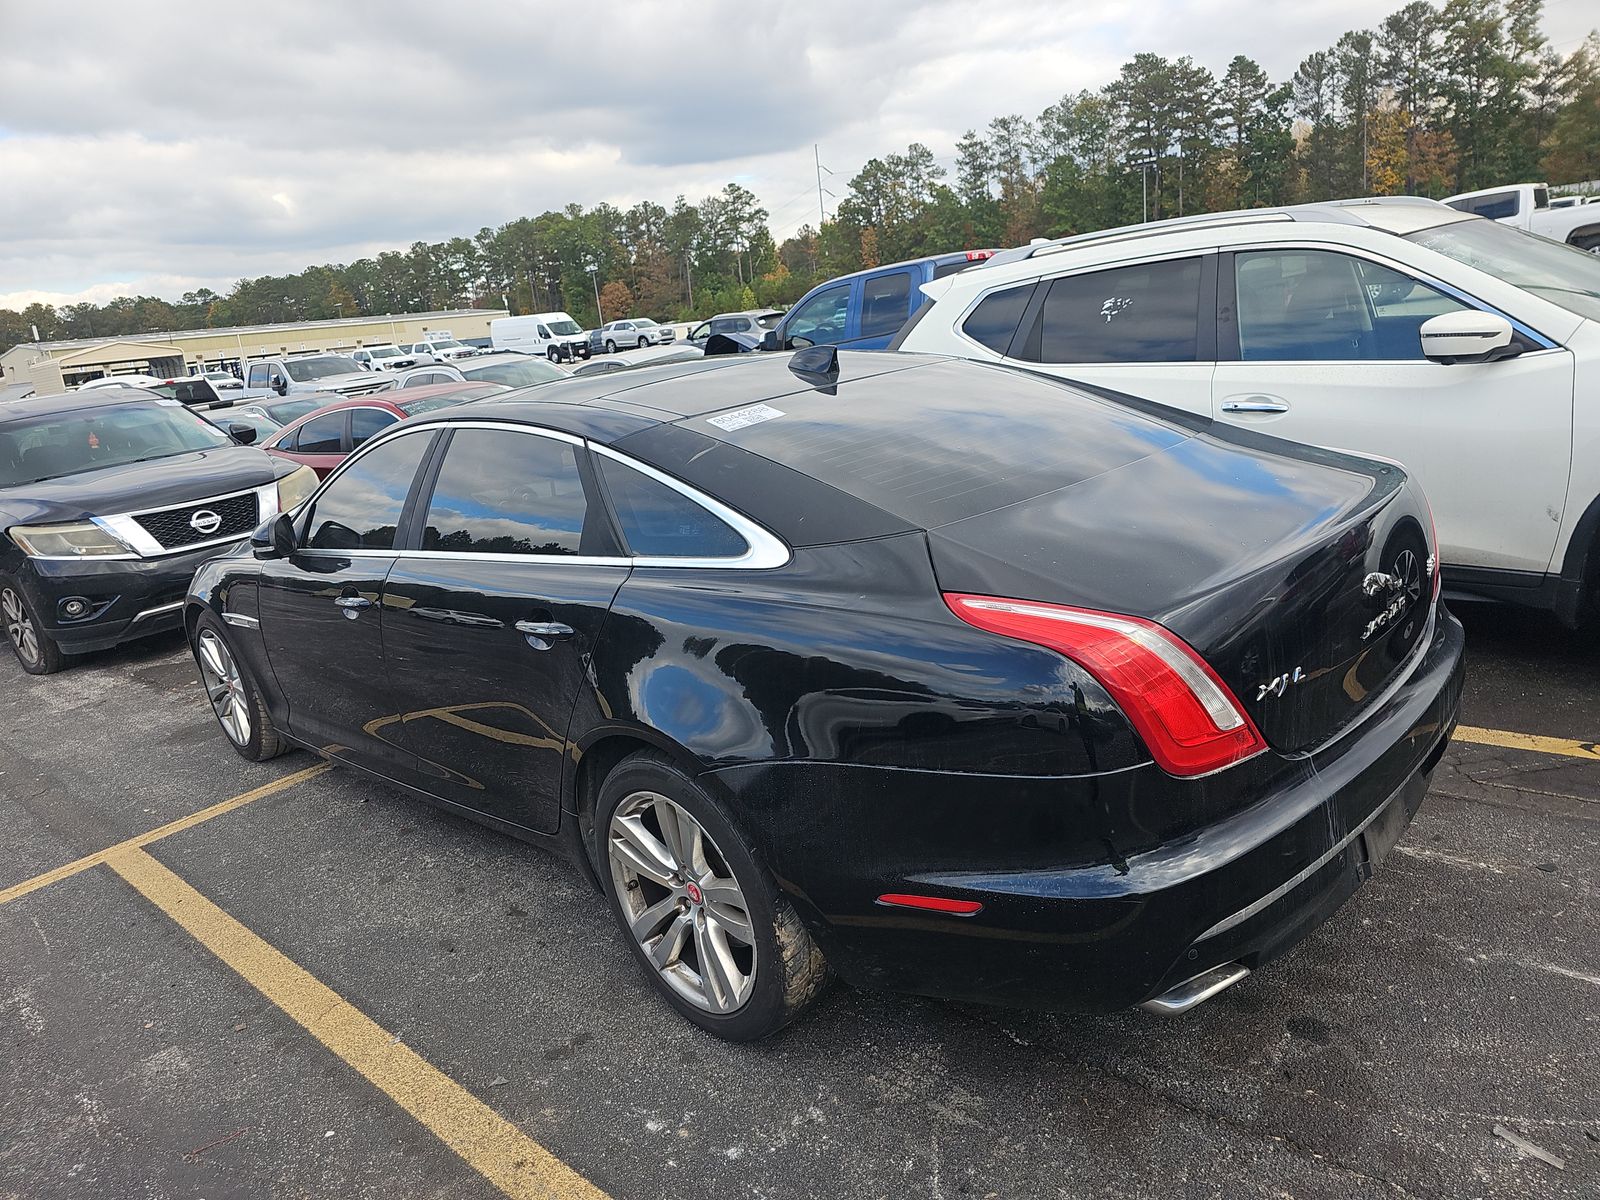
x,y
1298,574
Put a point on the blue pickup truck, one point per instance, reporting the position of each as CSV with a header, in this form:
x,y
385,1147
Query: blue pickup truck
x,y
865,310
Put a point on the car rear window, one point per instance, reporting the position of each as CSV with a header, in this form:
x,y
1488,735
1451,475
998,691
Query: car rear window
x,y
942,442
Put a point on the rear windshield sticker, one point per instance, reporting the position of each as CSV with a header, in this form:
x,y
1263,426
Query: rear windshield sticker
x,y
739,418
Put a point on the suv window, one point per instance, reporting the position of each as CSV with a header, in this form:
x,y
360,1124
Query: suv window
x,y
1148,312
995,319
361,508
321,435
660,522
822,319
1321,306
508,493
885,303
367,422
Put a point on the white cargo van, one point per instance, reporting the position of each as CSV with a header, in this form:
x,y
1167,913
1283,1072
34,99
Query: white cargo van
x,y
553,334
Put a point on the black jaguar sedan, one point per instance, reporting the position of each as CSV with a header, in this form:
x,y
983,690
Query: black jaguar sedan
x,y
944,677
109,500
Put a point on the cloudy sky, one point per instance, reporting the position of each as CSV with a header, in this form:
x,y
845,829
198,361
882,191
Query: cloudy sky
x,y
155,148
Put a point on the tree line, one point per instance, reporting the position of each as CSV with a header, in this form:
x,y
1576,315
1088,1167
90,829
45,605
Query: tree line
x,y
1439,98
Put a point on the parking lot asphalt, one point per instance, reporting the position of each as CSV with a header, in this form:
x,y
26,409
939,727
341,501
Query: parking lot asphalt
x,y
480,1028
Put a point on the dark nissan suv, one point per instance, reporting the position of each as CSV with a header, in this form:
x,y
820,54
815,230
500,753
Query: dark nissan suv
x,y
109,500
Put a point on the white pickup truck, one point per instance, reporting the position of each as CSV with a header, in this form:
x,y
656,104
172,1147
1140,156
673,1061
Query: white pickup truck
x,y
1527,206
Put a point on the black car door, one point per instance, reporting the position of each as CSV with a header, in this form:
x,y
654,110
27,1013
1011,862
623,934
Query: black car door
x,y
320,614
491,618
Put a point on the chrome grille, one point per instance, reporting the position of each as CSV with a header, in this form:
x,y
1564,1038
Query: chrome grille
x,y
175,528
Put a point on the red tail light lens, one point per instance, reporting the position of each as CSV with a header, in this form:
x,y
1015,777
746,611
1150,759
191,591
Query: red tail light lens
x,y
1189,720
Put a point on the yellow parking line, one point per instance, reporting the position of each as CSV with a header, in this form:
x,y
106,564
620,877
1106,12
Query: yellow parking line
x,y
494,1147
1564,747
15,891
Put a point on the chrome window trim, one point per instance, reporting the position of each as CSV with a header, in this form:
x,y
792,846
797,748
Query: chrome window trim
x,y
764,550
1244,247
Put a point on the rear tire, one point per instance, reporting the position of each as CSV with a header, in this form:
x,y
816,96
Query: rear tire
x,y
35,649
701,914
232,690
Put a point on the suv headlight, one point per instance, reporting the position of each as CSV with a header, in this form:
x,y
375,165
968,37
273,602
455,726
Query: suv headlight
x,y
78,539
294,487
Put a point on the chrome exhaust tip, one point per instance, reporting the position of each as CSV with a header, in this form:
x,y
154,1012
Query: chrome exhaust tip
x,y
1192,992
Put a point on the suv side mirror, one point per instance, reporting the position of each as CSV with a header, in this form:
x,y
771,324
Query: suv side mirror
x,y
276,383
771,341
1468,337
274,537
245,435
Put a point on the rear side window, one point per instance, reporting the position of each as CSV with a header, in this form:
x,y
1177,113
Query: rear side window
x,y
1492,207
995,320
659,522
885,303
321,435
1149,312
366,422
509,493
361,508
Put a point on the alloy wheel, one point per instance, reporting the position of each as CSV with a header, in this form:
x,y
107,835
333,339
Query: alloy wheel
x,y
19,626
681,902
224,687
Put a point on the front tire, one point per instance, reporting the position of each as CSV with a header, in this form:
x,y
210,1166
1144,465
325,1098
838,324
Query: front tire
x,y
643,342
712,932
554,355
36,650
234,696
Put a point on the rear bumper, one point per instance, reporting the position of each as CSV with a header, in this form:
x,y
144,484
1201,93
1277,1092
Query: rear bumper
x,y
129,598
1109,934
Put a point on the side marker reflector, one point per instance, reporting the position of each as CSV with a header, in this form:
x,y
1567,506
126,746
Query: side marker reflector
x,y
939,904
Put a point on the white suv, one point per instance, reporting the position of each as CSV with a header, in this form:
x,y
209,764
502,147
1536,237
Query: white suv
x,y
1465,349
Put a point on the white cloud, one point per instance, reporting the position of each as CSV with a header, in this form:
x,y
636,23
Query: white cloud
x,y
238,146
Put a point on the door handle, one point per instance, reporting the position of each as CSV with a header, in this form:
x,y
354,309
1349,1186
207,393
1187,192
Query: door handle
x,y
1255,404
544,629
351,603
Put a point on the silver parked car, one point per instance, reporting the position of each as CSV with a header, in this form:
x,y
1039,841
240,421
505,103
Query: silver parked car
x,y
633,333
755,322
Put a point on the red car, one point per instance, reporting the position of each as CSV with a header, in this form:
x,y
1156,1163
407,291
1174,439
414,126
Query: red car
x,y
324,438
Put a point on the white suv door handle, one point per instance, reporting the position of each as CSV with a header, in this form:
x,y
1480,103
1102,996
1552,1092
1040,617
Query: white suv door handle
x,y
1255,404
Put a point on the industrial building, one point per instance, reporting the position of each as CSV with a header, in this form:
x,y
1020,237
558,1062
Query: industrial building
x,y
54,366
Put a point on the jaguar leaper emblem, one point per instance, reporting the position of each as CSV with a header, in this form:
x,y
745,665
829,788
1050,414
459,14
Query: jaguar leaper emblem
x,y
1401,587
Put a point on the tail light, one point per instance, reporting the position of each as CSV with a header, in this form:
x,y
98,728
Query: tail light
x,y
1189,720
979,255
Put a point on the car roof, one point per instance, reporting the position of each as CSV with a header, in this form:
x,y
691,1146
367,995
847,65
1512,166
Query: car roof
x,y
63,402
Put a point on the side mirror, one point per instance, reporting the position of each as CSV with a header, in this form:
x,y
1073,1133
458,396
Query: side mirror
x,y
1468,337
274,537
771,341
276,383
245,435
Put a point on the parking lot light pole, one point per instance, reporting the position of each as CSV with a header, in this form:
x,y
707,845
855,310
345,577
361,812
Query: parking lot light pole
x,y
594,277
1144,165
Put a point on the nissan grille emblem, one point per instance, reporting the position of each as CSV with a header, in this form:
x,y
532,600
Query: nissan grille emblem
x,y
204,521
